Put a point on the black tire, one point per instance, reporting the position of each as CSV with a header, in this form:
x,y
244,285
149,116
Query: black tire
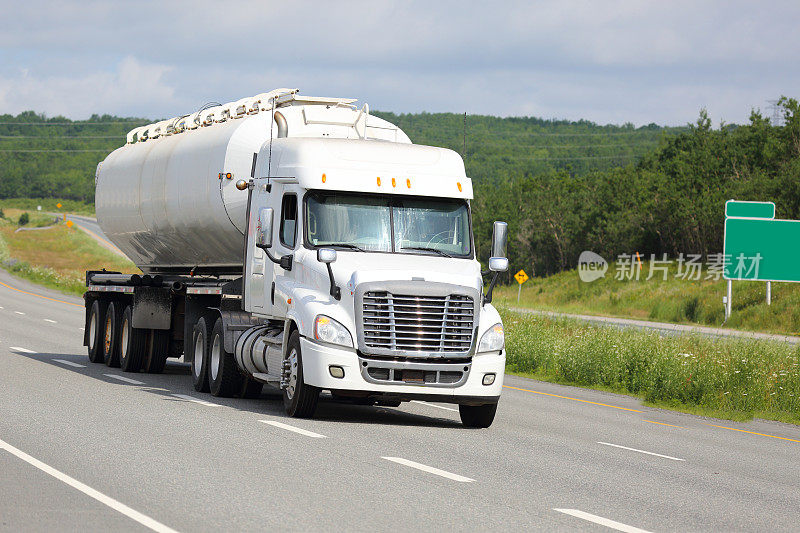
x,y
111,334
477,416
251,389
201,337
97,319
133,343
224,377
157,351
299,399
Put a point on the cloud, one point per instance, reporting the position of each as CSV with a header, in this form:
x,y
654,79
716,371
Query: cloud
x,y
133,85
611,61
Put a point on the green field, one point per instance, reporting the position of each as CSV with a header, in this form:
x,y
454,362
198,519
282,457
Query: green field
x,y
726,378
57,256
674,300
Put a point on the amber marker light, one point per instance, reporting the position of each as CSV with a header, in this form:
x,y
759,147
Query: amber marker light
x,y
324,178
459,186
408,183
394,183
379,181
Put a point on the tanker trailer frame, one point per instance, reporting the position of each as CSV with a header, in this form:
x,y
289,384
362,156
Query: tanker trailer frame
x,y
349,267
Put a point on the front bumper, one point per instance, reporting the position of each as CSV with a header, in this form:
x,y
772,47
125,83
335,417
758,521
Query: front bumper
x,y
318,358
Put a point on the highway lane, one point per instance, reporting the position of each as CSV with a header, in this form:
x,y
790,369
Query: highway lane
x,y
242,463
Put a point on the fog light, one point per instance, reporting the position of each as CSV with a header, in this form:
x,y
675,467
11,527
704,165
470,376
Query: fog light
x,y
338,372
488,379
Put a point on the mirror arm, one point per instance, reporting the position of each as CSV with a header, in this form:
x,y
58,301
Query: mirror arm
x,y
336,292
488,298
284,262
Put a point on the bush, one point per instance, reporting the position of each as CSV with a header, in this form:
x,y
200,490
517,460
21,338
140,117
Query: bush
x,y
2,214
24,219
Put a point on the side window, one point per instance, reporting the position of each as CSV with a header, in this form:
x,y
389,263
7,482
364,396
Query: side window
x,y
289,220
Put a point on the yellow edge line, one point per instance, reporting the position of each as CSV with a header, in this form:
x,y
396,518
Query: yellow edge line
x,y
663,424
754,433
573,399
39,295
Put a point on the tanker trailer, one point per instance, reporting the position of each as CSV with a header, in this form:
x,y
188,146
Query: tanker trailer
x,y
298,243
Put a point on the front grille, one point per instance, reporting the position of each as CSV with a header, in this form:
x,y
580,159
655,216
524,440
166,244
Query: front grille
x,y
406,323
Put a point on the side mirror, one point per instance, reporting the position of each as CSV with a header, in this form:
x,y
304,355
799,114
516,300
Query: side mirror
x,y
326,255
264,228
499,239
498,264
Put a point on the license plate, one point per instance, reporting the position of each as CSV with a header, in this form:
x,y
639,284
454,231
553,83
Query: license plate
x,y
413,376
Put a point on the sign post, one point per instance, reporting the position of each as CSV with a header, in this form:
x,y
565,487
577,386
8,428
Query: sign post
x,y
521,278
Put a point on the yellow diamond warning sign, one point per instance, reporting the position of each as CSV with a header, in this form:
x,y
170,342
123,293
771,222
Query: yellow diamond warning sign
x,y
521,277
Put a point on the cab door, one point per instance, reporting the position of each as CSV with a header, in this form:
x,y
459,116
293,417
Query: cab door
x,y
258,272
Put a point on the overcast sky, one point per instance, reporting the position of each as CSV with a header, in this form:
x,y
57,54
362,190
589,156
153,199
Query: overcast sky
x,y
606,61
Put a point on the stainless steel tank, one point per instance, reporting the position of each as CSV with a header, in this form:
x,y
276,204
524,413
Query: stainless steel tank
x,y
162,201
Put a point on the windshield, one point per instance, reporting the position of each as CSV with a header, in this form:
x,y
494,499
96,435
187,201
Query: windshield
x,y
377,223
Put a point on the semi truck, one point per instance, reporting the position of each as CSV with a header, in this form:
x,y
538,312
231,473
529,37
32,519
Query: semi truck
x,y
303,244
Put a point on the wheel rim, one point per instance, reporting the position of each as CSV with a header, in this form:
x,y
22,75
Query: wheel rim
x,y
292,387
107,336
198,355
125,334
216,357
92,331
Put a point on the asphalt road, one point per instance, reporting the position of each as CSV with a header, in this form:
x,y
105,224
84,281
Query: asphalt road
x,y
82,449
89,225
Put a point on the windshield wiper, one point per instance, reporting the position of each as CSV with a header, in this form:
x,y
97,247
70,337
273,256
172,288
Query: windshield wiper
x,y
425,249
344,245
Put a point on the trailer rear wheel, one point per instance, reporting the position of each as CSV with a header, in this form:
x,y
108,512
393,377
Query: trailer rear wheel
x,y
477,416
200,344
157,351
224,377
97,318
133,342
299,399
111,334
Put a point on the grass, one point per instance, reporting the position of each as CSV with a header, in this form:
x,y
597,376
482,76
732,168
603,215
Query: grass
x,y
673,300
55,257
725,378
48,204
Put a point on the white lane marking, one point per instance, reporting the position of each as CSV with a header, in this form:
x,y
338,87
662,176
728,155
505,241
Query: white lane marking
x,y
1,307
619,526
19,312
295,429
69,363
640,451
123,378
51,321
432,405
145,520
18,349
195,400
429,469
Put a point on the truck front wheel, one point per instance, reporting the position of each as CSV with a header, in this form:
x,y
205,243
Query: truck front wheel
x,y
477,416
299,399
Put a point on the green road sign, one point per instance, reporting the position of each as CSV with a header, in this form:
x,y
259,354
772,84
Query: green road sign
x,y
760,248
734,208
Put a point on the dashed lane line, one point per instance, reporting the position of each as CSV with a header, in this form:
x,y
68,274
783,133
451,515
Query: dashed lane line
x,y
19,312
640,451
133,514
434,405
51,321
294,429
18,349
69,363
613,524
124,379
429,469
196,400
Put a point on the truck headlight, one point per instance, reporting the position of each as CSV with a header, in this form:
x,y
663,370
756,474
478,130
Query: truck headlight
x,y
328,330
493,340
